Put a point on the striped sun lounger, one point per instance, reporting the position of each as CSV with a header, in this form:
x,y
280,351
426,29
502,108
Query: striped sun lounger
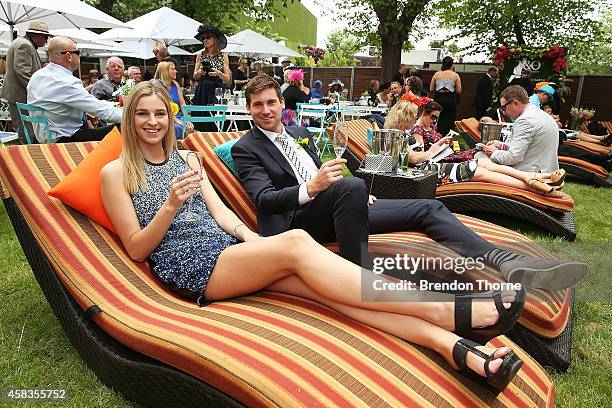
x,y
480,199
263,350
545,326
582,169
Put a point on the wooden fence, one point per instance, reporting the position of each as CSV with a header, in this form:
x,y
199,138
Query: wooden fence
x,y
589,91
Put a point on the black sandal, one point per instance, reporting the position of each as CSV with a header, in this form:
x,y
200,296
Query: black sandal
x,y
497,381
507,317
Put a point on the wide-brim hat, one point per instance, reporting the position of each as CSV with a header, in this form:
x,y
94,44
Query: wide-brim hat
x,y
38,27
203,29
336,82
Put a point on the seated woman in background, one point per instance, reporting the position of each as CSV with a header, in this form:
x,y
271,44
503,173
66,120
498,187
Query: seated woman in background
x,y
383,93
565,134
165,75
412,90
293,95
215,256
316,92
403,117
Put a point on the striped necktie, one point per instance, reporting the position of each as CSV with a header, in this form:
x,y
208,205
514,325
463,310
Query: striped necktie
x,y
291,154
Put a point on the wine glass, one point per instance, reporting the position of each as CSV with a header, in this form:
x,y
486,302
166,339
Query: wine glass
x,y
219,94
404,149
190,214
340,138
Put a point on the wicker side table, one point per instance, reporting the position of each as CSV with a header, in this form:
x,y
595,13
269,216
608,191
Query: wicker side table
x,y
390,185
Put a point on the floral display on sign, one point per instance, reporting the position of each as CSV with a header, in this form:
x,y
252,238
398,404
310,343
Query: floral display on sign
x,y
545,63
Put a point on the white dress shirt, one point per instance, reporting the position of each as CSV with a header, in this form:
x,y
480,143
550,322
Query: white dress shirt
x,y
64,99
304,158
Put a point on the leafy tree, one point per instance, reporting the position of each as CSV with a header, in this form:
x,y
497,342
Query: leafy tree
x,y
595,57
341,46
490,23
389,23
221,14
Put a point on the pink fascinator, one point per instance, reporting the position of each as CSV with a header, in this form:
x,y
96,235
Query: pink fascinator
x,y
296,75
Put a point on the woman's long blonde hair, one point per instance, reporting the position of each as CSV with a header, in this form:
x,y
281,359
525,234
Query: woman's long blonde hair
x,y
163,73
400,114
131,158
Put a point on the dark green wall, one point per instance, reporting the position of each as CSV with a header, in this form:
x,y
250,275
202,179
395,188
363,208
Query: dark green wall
x,y
298,25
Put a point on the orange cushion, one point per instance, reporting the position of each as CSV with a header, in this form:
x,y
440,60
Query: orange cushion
x,y
476,187
471,127
81,188
600,171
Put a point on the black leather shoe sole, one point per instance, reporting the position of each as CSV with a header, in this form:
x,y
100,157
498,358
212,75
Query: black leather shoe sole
x,y
557,277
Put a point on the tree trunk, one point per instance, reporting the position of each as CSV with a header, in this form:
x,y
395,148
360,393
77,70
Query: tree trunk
x,y
517,27
391,56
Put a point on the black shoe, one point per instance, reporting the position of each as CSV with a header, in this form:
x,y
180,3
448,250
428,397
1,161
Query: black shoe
x,y
496,381
607,140
507,317
548,274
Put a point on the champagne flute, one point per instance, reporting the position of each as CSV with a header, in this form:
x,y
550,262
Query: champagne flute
x,y
404,149
340,138
190,214
219,94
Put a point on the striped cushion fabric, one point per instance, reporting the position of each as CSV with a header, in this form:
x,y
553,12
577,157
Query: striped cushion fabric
x,y
358,140
589,147
546,313
264,350
606,123
472,127
359,146
537,200
220,175
600,171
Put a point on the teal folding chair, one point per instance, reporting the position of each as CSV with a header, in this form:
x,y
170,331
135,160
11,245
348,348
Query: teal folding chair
x,y
217,115
318,132
33,114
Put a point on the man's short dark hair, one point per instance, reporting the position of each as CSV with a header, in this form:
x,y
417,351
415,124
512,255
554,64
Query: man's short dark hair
x,y
260,83
515,92
492,69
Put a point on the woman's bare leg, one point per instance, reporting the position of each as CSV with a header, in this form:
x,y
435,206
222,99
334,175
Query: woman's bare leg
x,y
483,174
254,265
410,328
510,171
585,137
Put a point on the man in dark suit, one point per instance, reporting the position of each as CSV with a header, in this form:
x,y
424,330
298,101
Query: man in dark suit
x,y
524,81
484,92
292,188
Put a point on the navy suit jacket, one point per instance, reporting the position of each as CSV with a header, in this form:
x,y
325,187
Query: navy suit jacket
x,y
484,92
269,179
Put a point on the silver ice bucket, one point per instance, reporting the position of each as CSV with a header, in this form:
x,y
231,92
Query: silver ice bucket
x,y
490,131
387,142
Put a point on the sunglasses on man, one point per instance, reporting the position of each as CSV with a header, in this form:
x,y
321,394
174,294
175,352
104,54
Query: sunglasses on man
x,y
503,107
75,52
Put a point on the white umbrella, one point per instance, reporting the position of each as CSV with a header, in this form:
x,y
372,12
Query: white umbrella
x,y
140,49
250,44
164,25
57,14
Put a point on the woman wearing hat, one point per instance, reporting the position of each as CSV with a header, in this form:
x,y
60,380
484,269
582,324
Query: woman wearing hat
x,y
212,67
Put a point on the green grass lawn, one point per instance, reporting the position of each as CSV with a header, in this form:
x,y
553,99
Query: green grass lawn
x,y
35,353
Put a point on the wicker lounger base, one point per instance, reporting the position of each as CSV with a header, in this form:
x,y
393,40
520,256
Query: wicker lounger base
x,y
585,174
554,353
558,223
138,377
